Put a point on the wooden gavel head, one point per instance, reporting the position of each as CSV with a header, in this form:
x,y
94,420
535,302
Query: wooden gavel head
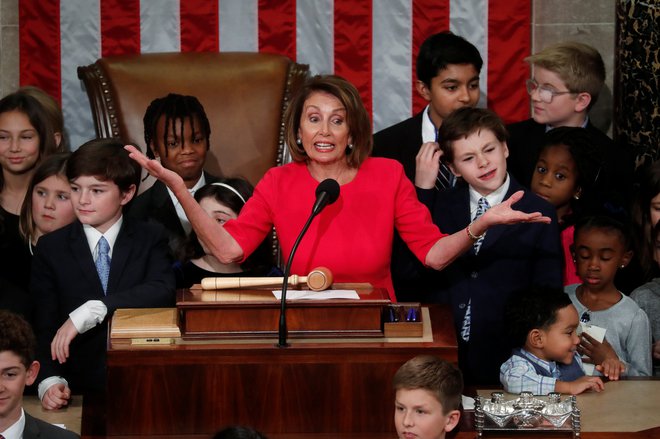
x,y
319,279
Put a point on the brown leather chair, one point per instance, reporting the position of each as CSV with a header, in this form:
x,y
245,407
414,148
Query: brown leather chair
x,y
244,95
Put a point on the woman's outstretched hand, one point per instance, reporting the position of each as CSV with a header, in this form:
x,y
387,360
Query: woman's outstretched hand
x,y
154,168
503,213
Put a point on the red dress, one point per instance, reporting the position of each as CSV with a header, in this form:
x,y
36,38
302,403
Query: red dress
x,y
353,236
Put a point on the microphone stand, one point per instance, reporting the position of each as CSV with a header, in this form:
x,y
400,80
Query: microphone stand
x,y
282,329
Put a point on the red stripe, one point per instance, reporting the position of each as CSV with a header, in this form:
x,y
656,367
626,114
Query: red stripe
x,y
39,45
428,17
120,27
508,44
353,45
199,25
277,27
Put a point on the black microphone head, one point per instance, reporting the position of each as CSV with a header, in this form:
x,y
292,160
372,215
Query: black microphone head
x,y
329,186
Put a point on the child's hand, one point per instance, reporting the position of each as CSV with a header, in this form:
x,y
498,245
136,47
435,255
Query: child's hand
x,y
59,347
612,368
595,351
57,396
580,385
656,350
427,165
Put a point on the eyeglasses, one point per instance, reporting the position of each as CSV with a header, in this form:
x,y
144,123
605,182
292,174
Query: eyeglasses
x,y
585,317
546,94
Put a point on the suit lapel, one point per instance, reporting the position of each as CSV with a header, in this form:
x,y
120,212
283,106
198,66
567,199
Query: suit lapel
x,y
120,254
31,429
164,209
83,257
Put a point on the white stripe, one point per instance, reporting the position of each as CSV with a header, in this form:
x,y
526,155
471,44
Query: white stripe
x,y
469,19
80,40
392,77
160,26
238,25
315,35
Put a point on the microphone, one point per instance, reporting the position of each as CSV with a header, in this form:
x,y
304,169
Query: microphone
x,y
327,193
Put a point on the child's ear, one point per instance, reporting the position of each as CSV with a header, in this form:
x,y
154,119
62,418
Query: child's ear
x,y
423,90
536,338
625,260
452,420
506,150
58,138
127,195
32,373
582,102
453,170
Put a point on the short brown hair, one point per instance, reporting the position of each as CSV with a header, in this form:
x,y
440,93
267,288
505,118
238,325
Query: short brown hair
x,y
439,377
105,159
359,125
17,337
465,121
579,65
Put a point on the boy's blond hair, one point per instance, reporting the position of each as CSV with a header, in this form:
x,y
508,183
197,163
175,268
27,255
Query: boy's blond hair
x,y
437,376
579,65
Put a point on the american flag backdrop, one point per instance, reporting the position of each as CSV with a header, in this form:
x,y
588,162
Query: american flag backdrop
x,y
372,43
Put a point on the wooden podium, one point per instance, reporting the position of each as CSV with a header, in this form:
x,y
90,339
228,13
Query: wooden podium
x,y
331,385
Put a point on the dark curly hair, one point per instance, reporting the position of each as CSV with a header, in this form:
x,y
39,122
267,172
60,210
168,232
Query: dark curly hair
x,y
533,309
174,107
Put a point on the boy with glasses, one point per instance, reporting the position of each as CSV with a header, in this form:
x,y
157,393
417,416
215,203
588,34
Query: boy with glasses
x,y
565,84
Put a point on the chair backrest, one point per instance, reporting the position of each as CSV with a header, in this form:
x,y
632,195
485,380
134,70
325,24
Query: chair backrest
x,y
244,96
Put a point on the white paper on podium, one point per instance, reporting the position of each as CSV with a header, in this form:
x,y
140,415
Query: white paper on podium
x,y
599,334
317,295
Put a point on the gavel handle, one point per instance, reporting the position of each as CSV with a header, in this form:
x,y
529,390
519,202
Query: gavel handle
x,y
223,283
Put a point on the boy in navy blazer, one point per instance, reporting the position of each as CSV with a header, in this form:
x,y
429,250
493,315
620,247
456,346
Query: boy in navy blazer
x,y
503,260
177,132
448,68
83,272
18,369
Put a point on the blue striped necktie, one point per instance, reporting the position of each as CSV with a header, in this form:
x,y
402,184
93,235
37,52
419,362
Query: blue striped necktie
x,y
482,207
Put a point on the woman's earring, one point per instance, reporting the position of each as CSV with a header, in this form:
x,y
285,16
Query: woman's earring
x,y
576,196
299,141
350,146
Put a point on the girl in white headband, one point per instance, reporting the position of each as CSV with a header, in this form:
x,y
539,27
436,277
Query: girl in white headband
x,y
222,201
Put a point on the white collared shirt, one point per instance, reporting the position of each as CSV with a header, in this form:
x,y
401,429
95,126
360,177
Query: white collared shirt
x,y
92,312
177,206
15,431
494,198
429,131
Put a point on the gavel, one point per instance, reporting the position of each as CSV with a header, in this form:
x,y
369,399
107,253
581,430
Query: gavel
x,y
318,279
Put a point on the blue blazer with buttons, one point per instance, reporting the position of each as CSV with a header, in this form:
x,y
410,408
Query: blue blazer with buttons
x,y
511,258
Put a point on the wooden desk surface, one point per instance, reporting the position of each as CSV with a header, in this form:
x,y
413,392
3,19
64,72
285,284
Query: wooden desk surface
x,y
70,417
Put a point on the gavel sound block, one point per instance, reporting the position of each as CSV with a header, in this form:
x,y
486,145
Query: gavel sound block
x,y
318,279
